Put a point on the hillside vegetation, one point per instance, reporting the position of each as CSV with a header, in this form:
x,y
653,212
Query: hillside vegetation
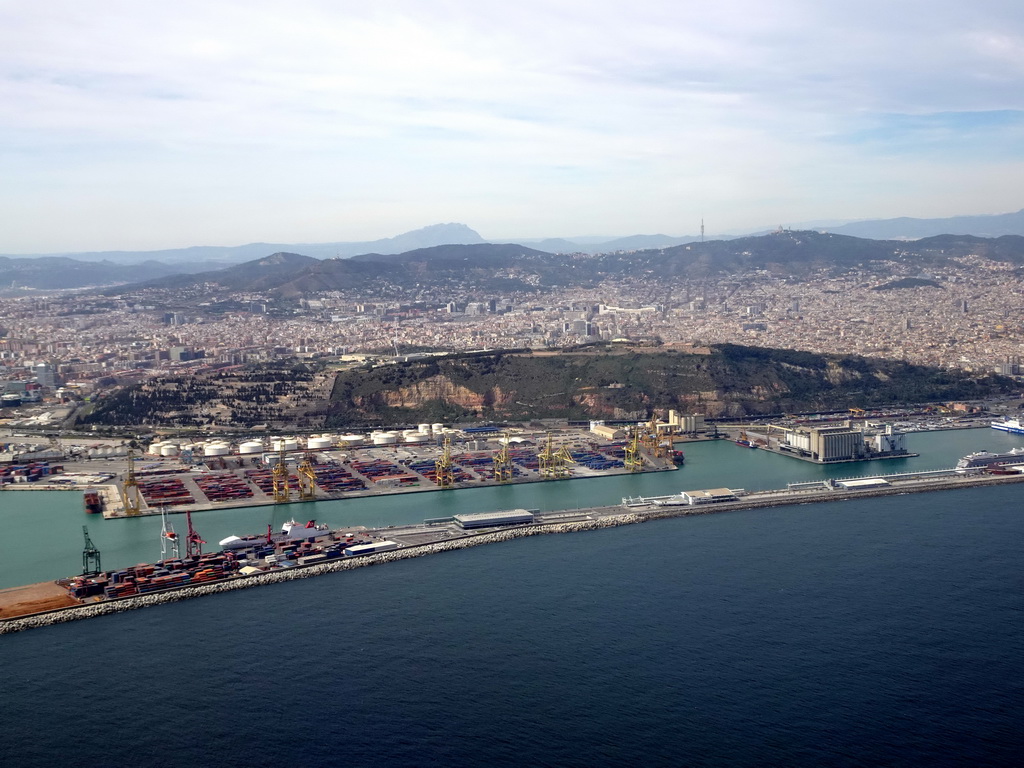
x,y
728,380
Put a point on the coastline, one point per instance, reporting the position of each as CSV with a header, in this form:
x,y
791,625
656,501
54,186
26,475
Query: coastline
x,y
597,518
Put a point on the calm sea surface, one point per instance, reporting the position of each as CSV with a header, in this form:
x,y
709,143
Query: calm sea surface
x,y
877,632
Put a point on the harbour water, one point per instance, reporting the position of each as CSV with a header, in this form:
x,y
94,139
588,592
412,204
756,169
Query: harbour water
x,y
48,543
862,633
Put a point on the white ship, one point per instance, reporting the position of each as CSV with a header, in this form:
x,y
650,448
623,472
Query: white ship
x,y
1009,425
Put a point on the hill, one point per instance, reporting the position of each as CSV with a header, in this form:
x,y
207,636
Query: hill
x,y
728,380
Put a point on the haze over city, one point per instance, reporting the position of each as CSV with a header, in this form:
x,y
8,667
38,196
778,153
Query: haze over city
x,y
137,126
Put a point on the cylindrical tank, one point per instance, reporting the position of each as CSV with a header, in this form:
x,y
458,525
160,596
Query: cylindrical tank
x,y
251,446
349,440
437,428
318,443
168,449
216,449
384,438
424,428
288,443
416,437
154,448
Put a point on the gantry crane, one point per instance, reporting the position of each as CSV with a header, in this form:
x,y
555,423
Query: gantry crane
x,y
444,468
280,476
307,478
503,462
193,542
130,492
169,545
546,459
563,463
634,462
90,556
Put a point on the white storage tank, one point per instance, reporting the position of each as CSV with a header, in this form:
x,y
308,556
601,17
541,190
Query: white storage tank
x,y
287,443
437,428
347,440
318,443
154,448
384,438
251,446
424,428
169,449
216,449
416,437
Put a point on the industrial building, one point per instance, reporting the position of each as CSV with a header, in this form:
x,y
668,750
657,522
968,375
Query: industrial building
x,y
491,519
841,442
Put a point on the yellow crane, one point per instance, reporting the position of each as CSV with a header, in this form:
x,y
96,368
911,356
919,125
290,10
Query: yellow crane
x,y
546,459
503,462
307,478
444,467
634,461
563,463
280,476
130,494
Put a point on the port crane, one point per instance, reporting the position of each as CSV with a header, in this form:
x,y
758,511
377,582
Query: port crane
x,y
634,462
503,462
169,545
307,478
130,492
193,541
282,493
444,467
90,556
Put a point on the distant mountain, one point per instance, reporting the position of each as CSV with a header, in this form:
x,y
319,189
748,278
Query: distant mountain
x,y
913,229
495,269
59,272
203,257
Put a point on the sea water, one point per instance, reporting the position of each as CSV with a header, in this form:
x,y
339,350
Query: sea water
x,y
859,633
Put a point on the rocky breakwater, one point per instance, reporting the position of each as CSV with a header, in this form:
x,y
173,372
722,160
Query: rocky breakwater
x,y
273,577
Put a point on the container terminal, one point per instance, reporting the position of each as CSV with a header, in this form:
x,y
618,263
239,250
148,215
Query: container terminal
x,y
178,476
299,549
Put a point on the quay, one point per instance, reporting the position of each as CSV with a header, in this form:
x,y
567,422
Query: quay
x,y
36,605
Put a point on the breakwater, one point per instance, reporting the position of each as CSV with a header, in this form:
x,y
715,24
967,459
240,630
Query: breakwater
x,y
603,517
104,608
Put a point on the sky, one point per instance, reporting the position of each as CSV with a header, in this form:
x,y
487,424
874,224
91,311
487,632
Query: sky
x,y
131,124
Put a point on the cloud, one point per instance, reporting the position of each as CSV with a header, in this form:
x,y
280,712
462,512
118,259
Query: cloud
x,y
532,118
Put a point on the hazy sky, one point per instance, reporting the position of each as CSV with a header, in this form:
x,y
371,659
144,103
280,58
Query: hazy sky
x,y
133,124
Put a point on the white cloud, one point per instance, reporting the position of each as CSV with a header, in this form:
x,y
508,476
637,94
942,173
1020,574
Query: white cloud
x,y
534,118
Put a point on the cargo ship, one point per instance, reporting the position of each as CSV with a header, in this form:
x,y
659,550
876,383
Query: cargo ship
x,y
982,459
1013,426
93,502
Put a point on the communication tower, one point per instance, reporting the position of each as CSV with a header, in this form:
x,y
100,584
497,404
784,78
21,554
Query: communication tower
x,y
280,477
444,468
193,542
307,479
130,492
503,462
90,556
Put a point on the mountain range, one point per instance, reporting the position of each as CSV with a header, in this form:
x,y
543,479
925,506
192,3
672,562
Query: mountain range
x,y
501,269
69,271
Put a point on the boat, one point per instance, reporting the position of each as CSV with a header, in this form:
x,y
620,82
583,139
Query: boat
x,y
678,458
1012,426
290,531
93,502
745,443
980,459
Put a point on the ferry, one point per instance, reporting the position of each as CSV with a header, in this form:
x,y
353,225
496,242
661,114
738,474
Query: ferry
x,y
1012,426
